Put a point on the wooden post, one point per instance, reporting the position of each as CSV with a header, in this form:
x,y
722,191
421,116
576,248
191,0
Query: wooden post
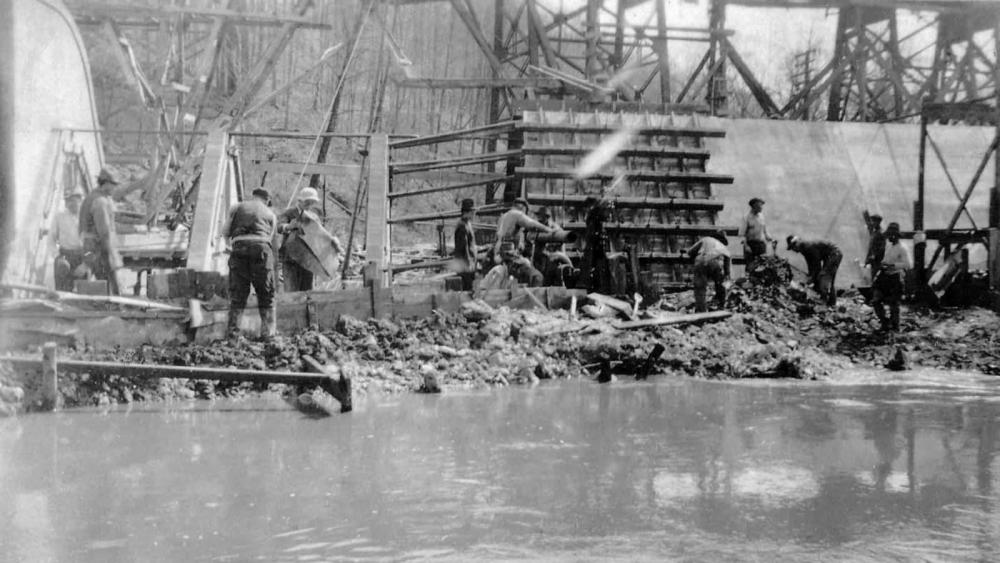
x,y
993,260
662,51
205,226
918,206
377,224
48,396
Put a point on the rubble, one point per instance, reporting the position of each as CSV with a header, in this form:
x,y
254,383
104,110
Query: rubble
x,y
778,329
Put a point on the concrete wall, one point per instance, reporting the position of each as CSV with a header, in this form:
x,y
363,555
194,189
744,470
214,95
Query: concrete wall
x,y
818,177
52,89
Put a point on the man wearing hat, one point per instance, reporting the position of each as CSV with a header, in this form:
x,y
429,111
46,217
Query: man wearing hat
x,y
712,262
249,232
876,244
66,240
511,227
890,279
465,245
823,259
753,229
99,234
296,277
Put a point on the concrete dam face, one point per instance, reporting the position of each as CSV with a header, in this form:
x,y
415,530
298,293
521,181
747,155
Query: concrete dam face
x,y
52,94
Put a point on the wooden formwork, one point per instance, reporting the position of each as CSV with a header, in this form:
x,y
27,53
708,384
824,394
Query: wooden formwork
x,y
666,201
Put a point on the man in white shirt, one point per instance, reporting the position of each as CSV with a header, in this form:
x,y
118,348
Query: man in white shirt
x,y
891,279
511,227
66,240
753,229
712,262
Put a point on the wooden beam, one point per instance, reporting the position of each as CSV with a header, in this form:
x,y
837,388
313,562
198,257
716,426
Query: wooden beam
x,y
639,175
377,224
306,167
641,151
205,241
495,179
677,229
326,56
86,13
756,88
489,129
476,83
674,320
628,202
585,128
469,160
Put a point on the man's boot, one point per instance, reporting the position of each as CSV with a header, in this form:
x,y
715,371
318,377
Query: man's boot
x,y
880,313
268,323
894,318
233,327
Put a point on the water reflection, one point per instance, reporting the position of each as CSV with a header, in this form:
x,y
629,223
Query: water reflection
x,y
577,471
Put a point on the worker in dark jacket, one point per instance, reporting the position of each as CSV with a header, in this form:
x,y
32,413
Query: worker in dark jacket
x,y
876,244
249,232
712,262
823,259
465,245
100,236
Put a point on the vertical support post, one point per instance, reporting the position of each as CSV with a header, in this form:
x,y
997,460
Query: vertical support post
x,y
495,91
662,51
593,38
619,36
213,185
860,56
919,249
377,224
993,259
833,107
49,389
716,92
896,59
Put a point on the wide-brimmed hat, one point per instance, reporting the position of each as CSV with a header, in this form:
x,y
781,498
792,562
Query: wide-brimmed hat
x,y
308,194
106,177
468,205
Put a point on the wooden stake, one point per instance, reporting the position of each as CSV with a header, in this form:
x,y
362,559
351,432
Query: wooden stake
x,y
49,388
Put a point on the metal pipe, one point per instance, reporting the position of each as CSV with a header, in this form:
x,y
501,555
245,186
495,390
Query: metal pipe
x,y
560,236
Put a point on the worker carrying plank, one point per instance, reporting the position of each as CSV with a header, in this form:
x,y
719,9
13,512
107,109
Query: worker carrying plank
x,y
100,236
823,260
712,262
890,279
307,249
249,231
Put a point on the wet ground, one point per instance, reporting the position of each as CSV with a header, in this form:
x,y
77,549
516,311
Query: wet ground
x,y
673,469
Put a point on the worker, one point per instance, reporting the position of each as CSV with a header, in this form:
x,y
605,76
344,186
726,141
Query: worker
x,y
876,244
295,276
890,280
99,234
753,229
249,232
595,267
67,243
519,267
466,263
712,262
511,227
823,259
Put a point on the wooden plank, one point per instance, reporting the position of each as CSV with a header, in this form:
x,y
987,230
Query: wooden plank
x,y
306,168
477,83
472,160
678,229
491,129
586,128
628,202
674,320
88,12
494,179
440,215
639,175
204,238
644,151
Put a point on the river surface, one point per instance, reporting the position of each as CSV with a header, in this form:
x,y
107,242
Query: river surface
x,y
674,469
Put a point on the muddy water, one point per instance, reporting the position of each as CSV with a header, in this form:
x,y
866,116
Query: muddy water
x,y
676,469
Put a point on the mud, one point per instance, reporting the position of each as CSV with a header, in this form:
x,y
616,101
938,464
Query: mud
x,y
779,329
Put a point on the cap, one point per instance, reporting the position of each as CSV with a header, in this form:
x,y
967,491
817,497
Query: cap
x,y
756,200
522,201
261,193
894,226
106,177
468,205
876,218
308,194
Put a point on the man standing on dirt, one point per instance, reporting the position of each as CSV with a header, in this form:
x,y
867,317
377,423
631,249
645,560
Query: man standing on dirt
x,y
712,262
295,276
511,227
876,244
100,236
465,245
250,232
890,280
823,259
753,229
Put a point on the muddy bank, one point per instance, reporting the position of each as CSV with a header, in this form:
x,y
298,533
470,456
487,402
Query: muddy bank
x,y
778,329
